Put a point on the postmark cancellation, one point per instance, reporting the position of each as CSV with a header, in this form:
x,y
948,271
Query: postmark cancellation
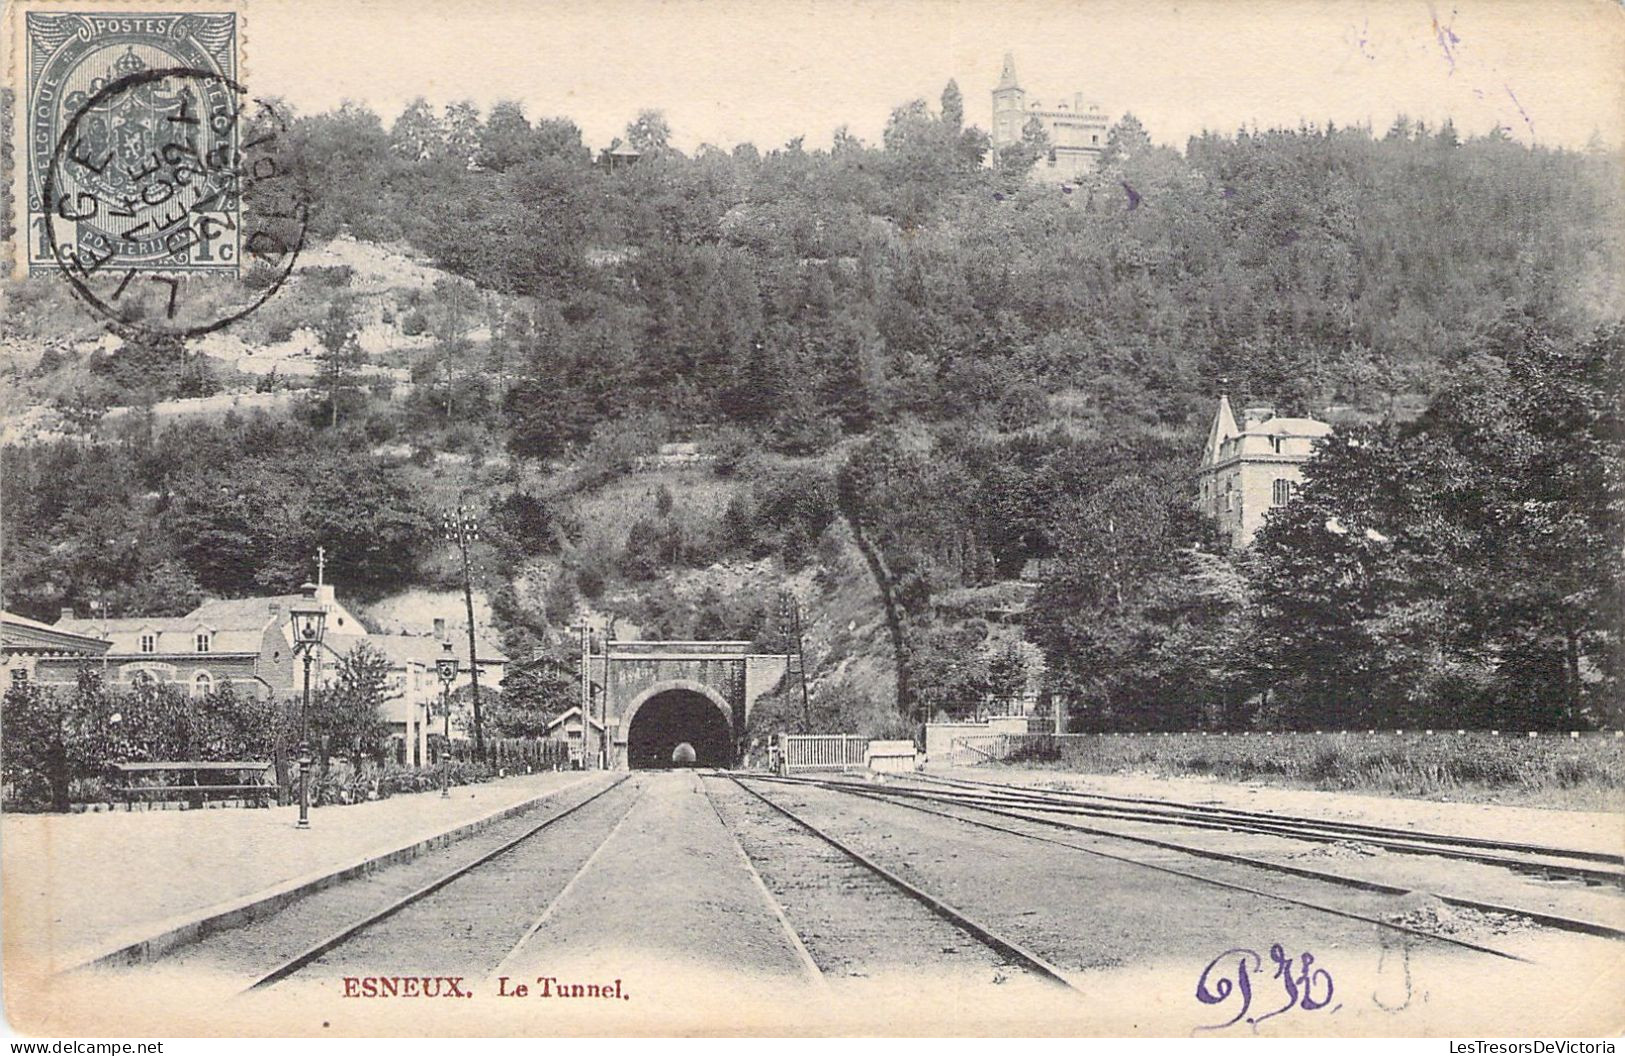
x,y
101,127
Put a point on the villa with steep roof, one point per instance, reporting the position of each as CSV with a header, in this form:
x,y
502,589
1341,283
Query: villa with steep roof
x,y
1252,467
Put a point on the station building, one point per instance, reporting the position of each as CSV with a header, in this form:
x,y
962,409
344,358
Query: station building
x,y
26,643
247,643
244,642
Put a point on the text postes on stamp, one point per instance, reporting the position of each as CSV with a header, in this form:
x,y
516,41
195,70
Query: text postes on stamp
x,y
158,187
73,58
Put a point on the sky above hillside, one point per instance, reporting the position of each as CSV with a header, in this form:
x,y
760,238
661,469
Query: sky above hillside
x,y
727,71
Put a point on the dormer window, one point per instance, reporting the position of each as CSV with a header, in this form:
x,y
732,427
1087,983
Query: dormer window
x,y
203,641
149,642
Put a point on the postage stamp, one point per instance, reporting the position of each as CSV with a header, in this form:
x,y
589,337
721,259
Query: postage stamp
x,y
832,518
93,72
157,186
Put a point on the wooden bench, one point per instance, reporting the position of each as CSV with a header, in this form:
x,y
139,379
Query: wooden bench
x,y
246,781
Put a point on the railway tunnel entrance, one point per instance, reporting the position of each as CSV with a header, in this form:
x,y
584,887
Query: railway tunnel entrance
x,y
653,696
674,717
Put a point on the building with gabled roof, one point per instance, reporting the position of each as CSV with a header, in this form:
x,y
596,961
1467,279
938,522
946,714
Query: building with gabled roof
x,y
1252,466
25,642
246,643
566,726
414,683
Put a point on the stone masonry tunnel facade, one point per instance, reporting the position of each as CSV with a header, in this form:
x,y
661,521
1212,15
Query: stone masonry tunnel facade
x,y
652,696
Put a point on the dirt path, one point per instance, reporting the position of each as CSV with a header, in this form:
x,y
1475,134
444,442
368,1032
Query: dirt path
x,y
78,883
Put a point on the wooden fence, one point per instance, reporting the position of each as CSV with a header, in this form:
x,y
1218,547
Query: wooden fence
x,y
517,754
821,751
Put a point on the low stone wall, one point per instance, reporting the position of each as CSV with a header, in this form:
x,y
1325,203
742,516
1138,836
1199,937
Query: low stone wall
x,y
891,757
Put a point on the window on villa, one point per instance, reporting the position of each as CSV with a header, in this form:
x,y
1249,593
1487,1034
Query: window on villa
x,y
1282,492
19,676
203,641
202,684
149,643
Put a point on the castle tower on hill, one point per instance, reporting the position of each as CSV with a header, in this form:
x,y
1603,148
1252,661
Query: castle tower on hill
x,y
1250,468
1077,131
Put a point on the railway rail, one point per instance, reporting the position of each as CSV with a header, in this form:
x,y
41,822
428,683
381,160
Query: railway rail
x,y
931,801
444,886
529,947
1522,857
1078,822
350,931
981,931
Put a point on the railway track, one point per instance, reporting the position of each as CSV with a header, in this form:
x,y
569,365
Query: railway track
x,y
516,943
1539,859
575,841
952,803
443,887
1012,951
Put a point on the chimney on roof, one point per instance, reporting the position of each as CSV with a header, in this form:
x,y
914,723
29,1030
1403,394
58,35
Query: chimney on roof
x,y
66,613
440,627
1258,412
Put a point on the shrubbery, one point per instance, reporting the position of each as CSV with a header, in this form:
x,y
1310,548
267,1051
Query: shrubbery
x,y
57,736
344,782
1586,772
62,741
836,708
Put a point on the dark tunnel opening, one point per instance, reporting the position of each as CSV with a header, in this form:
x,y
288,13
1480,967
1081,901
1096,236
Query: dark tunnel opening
x,y
678,716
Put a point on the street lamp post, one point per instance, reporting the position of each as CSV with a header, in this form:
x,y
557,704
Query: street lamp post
x,y
446,667
309,620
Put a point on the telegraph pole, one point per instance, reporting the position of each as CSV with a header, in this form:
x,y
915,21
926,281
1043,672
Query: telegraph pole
x,y
586,690
790,611
463,528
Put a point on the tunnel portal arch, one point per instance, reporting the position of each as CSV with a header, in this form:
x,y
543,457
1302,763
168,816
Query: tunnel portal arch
x,y
625,678
675,712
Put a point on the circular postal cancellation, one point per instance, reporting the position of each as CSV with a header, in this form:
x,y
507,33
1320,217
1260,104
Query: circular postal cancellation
x,y
158,187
